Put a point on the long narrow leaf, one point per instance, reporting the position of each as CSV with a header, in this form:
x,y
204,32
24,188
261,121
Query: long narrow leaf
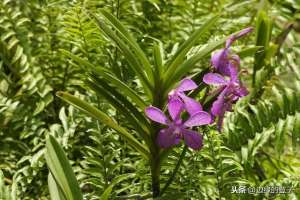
x,y
158,63
122,87
187,45
102,117
106,193
101,71
54,190
106,88
134,63
127,112
80,61
189,64
61,170
125,35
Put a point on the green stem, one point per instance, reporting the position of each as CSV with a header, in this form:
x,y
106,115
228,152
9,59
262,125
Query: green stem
x,y
155,174
172,177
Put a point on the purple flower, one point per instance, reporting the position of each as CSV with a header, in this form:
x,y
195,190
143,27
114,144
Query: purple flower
x,y
176,128
190,105
230,87
222,60
230,91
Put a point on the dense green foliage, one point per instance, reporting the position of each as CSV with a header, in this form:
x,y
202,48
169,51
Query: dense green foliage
x,y
79,47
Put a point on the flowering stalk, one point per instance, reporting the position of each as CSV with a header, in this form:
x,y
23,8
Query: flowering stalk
x,y
230,88
176,129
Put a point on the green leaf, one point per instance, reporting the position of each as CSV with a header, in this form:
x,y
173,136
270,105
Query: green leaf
x,y
158,59
190,63
54,190
259,140
101,71
263,36
17,55
116,180
12,43
177,59
39,108
105,119
296,131
106,88
106,193
61,170
263,29
126,36
122,87
7,35
131,114
250,51
132,59
21,21
158,64
81,61
6,192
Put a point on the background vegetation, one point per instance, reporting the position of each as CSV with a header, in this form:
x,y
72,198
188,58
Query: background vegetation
x,y
46,46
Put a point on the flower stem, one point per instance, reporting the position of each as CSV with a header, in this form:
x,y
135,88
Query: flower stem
x,y
155,174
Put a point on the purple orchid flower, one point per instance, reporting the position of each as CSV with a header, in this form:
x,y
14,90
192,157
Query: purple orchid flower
x,y
177,129
190,105
230,91
222,60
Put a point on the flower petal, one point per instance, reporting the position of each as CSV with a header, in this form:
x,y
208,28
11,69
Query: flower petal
x,y
244,32
233,73
193,139
219,58
175,107
214,79
166,138
186,85
198,119
238,35
220,61
241,91
218,106
156,115
191,105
